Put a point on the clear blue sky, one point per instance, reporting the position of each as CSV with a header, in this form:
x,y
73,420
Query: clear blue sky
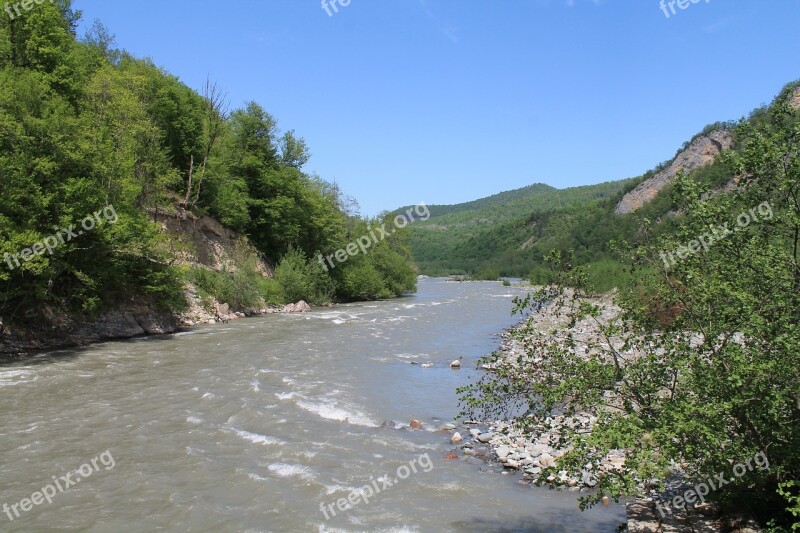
x,y
444,101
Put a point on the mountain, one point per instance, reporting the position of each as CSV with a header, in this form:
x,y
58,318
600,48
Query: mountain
x,y
509,234
443,243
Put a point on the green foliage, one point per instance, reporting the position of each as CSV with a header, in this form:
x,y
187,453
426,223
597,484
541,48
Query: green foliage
x,y
502,233
84,126
303,280
702,369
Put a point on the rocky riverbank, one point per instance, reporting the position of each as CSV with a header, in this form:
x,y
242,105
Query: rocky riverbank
x,y
534,453
52,330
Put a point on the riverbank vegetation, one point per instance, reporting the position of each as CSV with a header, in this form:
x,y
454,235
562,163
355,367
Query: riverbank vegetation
x,y
701,370
84,126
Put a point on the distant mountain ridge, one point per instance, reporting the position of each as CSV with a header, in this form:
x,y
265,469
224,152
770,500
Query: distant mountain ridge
x,y
509,233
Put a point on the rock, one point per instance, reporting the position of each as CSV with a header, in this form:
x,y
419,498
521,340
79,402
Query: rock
x,y
511,464
448,427
485,437
223,309
475,432
211,321
641,517
700,153
794,101
546,460
456,438
388,424
534,470
455,364
539,449
503,451
589,479
415,424
299,307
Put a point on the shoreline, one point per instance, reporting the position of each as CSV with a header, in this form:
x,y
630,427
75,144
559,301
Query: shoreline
x,y
59,331
530,453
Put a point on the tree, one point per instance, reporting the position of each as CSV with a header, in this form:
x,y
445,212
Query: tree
x,y
702,368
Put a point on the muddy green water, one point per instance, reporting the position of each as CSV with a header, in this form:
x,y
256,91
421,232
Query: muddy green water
x,y
253,425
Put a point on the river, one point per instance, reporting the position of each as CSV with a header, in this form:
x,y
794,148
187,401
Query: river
x,y
257,424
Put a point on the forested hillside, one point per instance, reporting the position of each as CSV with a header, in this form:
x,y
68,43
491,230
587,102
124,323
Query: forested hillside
x,y
488,238
691,368
95,143
478,237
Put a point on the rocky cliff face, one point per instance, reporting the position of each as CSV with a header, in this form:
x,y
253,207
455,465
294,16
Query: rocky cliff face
x,y
204,241
794,101
198,241
701,152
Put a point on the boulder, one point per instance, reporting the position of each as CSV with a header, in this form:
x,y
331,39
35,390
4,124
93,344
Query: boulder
x,y
299,307
223,310
485,437
415,424
455,364
503,451
456,438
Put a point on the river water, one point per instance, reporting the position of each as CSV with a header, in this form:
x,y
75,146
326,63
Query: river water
x,y
257,424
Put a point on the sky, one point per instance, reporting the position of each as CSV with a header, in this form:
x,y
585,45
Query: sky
x,y
444,101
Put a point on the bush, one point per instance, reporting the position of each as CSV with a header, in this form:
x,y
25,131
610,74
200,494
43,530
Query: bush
x,y
302,280
361,281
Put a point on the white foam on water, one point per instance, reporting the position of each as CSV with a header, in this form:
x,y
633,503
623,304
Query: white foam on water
x,y
254,386
194,420
9,378
330,411
256,438
332,489
286,395
208,395
287,470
